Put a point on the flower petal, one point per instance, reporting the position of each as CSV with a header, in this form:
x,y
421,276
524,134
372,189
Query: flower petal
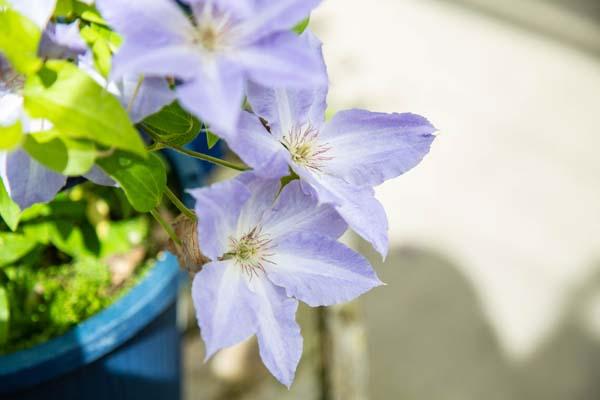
x,y
27,181
181,61
152,95
224,305
283,60
215,95
62,41
99,177
39,11
285,107
356,205
218,208
263,193
279,339
320,271
275,16
297,211
368,148
11,109
156,23
257,147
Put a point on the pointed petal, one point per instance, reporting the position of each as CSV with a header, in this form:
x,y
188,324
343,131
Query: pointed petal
x,y
27,181
224,305
368,148
275,16
99,177
11,109
263,193
285,107
356,205
257,147
156,23
39,11
320,271
297,211
62,41
215,95
283,60
181,61
152,95
279,339
218,208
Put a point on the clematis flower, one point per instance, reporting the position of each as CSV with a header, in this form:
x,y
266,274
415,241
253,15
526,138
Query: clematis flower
x,y
340,160
141,98
38,11
27,181
62,41
214,52
267,252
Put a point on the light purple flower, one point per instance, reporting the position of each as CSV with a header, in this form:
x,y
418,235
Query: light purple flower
x,y
38,11
141,99
340,160
267,253
62,41
26,181
215,52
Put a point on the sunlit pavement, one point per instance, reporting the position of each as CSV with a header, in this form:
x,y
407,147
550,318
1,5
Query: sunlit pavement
x,y
508,199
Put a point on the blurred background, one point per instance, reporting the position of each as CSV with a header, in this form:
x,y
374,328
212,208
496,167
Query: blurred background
x,y
494,271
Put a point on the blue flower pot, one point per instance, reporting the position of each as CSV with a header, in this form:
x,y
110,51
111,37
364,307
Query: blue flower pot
x,y
131,350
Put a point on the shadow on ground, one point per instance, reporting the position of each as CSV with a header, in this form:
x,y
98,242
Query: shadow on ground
x,y
429,339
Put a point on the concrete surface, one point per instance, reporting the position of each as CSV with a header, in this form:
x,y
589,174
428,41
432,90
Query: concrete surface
x,y
509,199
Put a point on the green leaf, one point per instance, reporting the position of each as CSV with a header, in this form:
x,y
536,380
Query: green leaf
x,y
9,210
67,156
63,8
103,42
4,316
211,139
74,237
88,13
172,125
19,39
79,107
13,246
10,136
102,56
301,26
143,180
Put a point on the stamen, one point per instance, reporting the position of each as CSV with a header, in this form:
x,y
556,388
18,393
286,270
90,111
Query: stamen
x,y
252,251
213,29
303,144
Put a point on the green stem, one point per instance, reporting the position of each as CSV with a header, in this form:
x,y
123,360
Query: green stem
x,y
168,228
211,159
180,206
135,93
155,146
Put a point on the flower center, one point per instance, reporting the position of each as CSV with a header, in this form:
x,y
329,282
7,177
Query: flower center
x,y
213,30
304,147
209,38
252,251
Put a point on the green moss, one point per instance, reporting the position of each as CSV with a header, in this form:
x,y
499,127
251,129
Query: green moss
x,y
56,270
